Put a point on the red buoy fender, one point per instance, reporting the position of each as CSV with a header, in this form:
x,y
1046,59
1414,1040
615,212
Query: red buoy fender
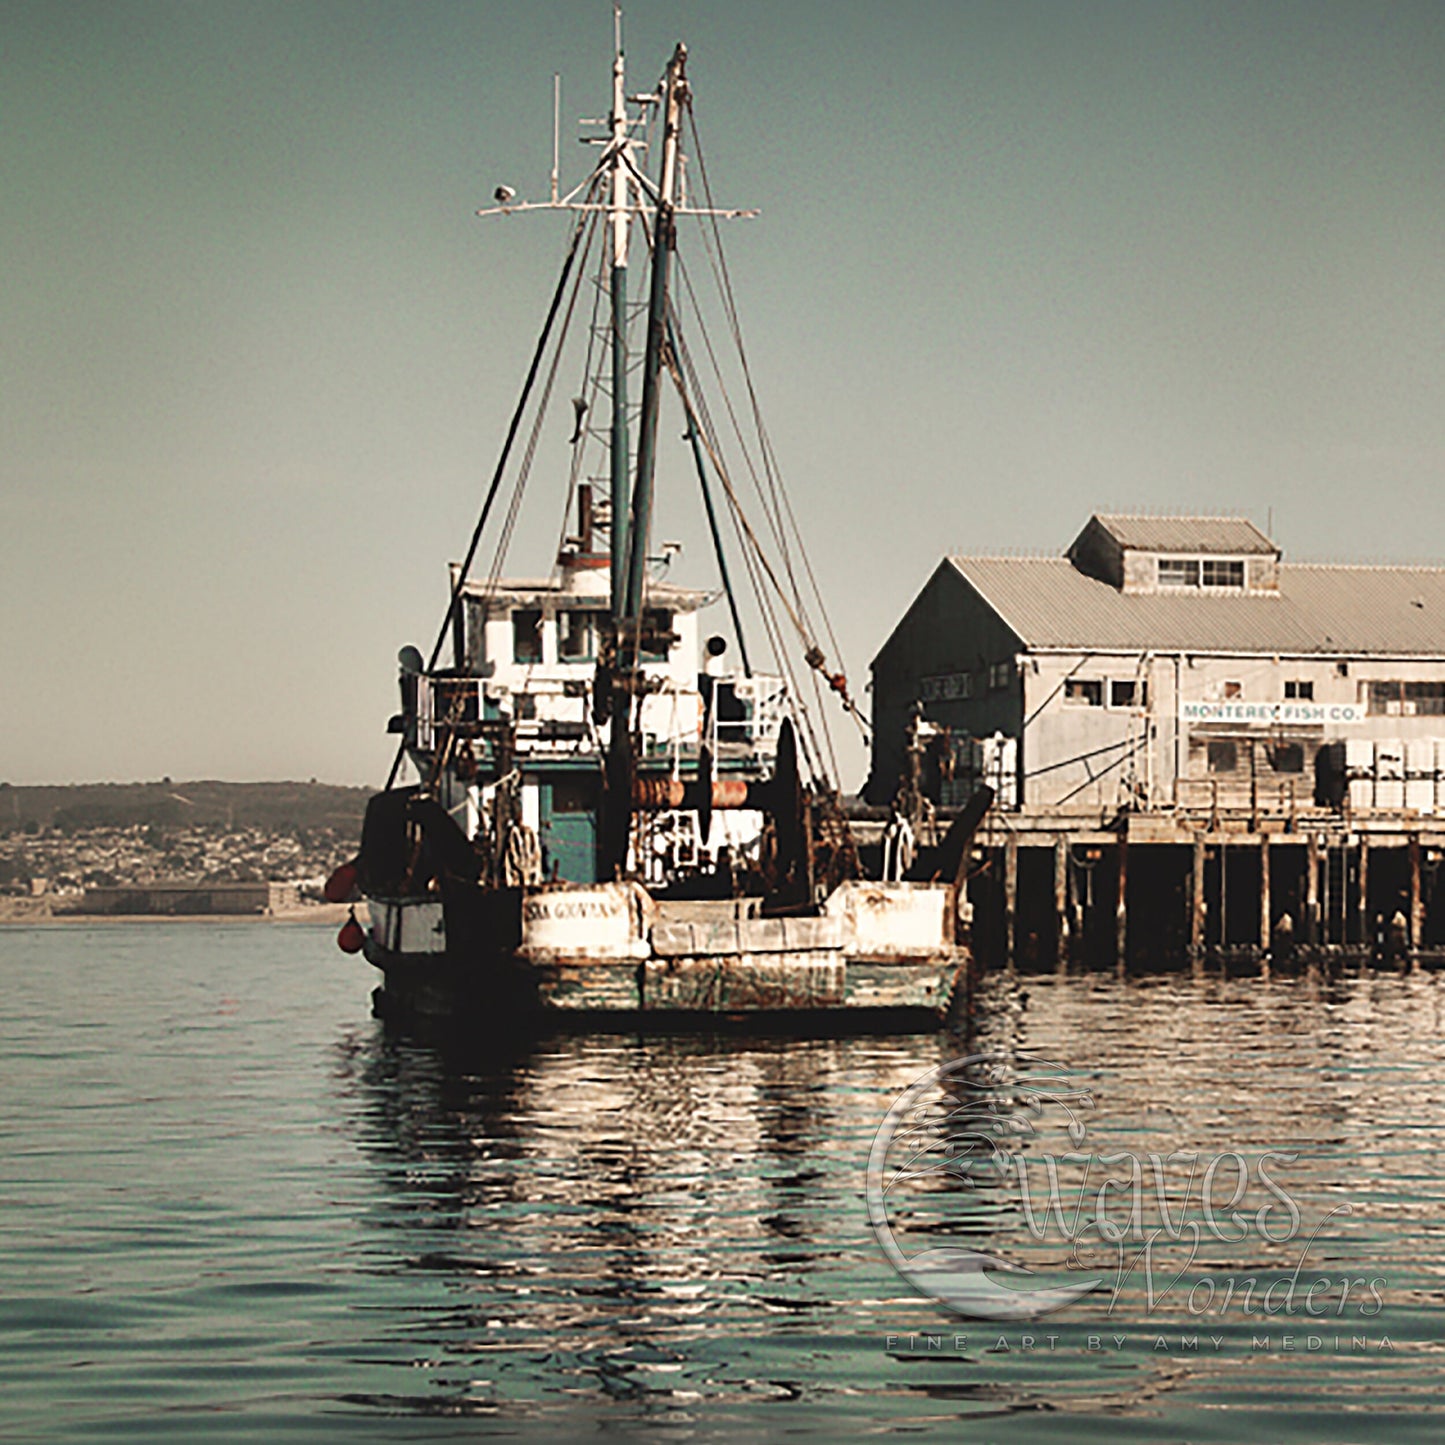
x,y
342,883
352,935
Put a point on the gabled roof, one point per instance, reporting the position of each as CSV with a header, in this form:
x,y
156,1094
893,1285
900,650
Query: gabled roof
x,y
1319,608
1234,536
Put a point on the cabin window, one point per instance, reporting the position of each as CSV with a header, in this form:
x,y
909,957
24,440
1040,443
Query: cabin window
x,y
731,713
475,612
577,634
1299,688
1084,692
1231,690
527,635
1128,693
574,795
1223,756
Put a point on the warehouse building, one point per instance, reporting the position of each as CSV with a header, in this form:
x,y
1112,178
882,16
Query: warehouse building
x,y
1174,679
1170,663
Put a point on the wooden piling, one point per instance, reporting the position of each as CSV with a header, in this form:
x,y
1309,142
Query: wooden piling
x,y
1076,907
1312,889
1417,895
1222,849
1264,911
1121,906
1362,893
1336,907
1061,897
1196,900
1010,895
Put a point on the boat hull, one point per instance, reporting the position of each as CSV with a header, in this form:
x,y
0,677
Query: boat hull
x,y
580,954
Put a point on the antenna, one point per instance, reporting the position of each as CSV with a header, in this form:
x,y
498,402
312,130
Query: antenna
x,y
630,191
556,130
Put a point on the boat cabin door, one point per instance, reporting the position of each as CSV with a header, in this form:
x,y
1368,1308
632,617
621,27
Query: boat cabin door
x,y
569,828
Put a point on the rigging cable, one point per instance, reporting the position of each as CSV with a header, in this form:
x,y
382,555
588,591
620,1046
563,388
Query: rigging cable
x,y
761,557
458,702
754,559
461,578
765,442
797,615
591,386
525,470
781,516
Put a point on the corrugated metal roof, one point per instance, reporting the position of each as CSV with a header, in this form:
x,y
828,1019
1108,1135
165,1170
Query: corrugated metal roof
x,y
1319,608
1235,535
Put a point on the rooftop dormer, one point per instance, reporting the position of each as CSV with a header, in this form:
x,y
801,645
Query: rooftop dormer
x,y
1188,555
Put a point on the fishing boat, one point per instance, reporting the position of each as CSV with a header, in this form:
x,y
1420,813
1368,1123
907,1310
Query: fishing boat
x,y
614,815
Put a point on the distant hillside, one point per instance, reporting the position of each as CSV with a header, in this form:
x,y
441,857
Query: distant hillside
x,y
273,806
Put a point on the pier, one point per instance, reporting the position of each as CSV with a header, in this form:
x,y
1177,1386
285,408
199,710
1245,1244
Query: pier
x,y
1148,889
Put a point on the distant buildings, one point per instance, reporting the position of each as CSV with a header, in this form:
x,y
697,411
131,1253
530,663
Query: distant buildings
x,y
94,868
191,898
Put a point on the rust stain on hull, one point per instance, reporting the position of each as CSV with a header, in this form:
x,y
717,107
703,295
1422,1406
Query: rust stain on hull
x,y
752,983
714,985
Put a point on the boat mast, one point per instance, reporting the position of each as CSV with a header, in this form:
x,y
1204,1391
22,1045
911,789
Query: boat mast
x,y
664,241
621,225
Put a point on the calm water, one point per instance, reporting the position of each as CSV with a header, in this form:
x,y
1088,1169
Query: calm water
x,y
234,1208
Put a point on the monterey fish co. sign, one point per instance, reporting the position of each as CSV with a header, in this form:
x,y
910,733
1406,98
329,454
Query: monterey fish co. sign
x,y
1272,714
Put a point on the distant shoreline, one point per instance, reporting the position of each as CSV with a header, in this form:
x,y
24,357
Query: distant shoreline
x,y
327,914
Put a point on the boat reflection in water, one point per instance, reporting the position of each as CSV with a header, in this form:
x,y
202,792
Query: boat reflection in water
x,y
592,1228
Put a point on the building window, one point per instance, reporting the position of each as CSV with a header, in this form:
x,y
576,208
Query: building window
x,y
1406,699
1288,758
1218,572
1300,689
1223,756
527,635
1127,693
999,675
1201,572
946,687
1178,572
1084,692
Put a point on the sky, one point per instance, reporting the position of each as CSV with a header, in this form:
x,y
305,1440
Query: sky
x,y
1015,263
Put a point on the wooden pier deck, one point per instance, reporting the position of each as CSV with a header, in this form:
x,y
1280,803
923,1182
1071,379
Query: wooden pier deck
x,y
1225,883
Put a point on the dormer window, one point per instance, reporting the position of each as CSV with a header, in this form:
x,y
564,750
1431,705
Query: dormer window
x,y
1155,554
1221,572
1179,572
1201,572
